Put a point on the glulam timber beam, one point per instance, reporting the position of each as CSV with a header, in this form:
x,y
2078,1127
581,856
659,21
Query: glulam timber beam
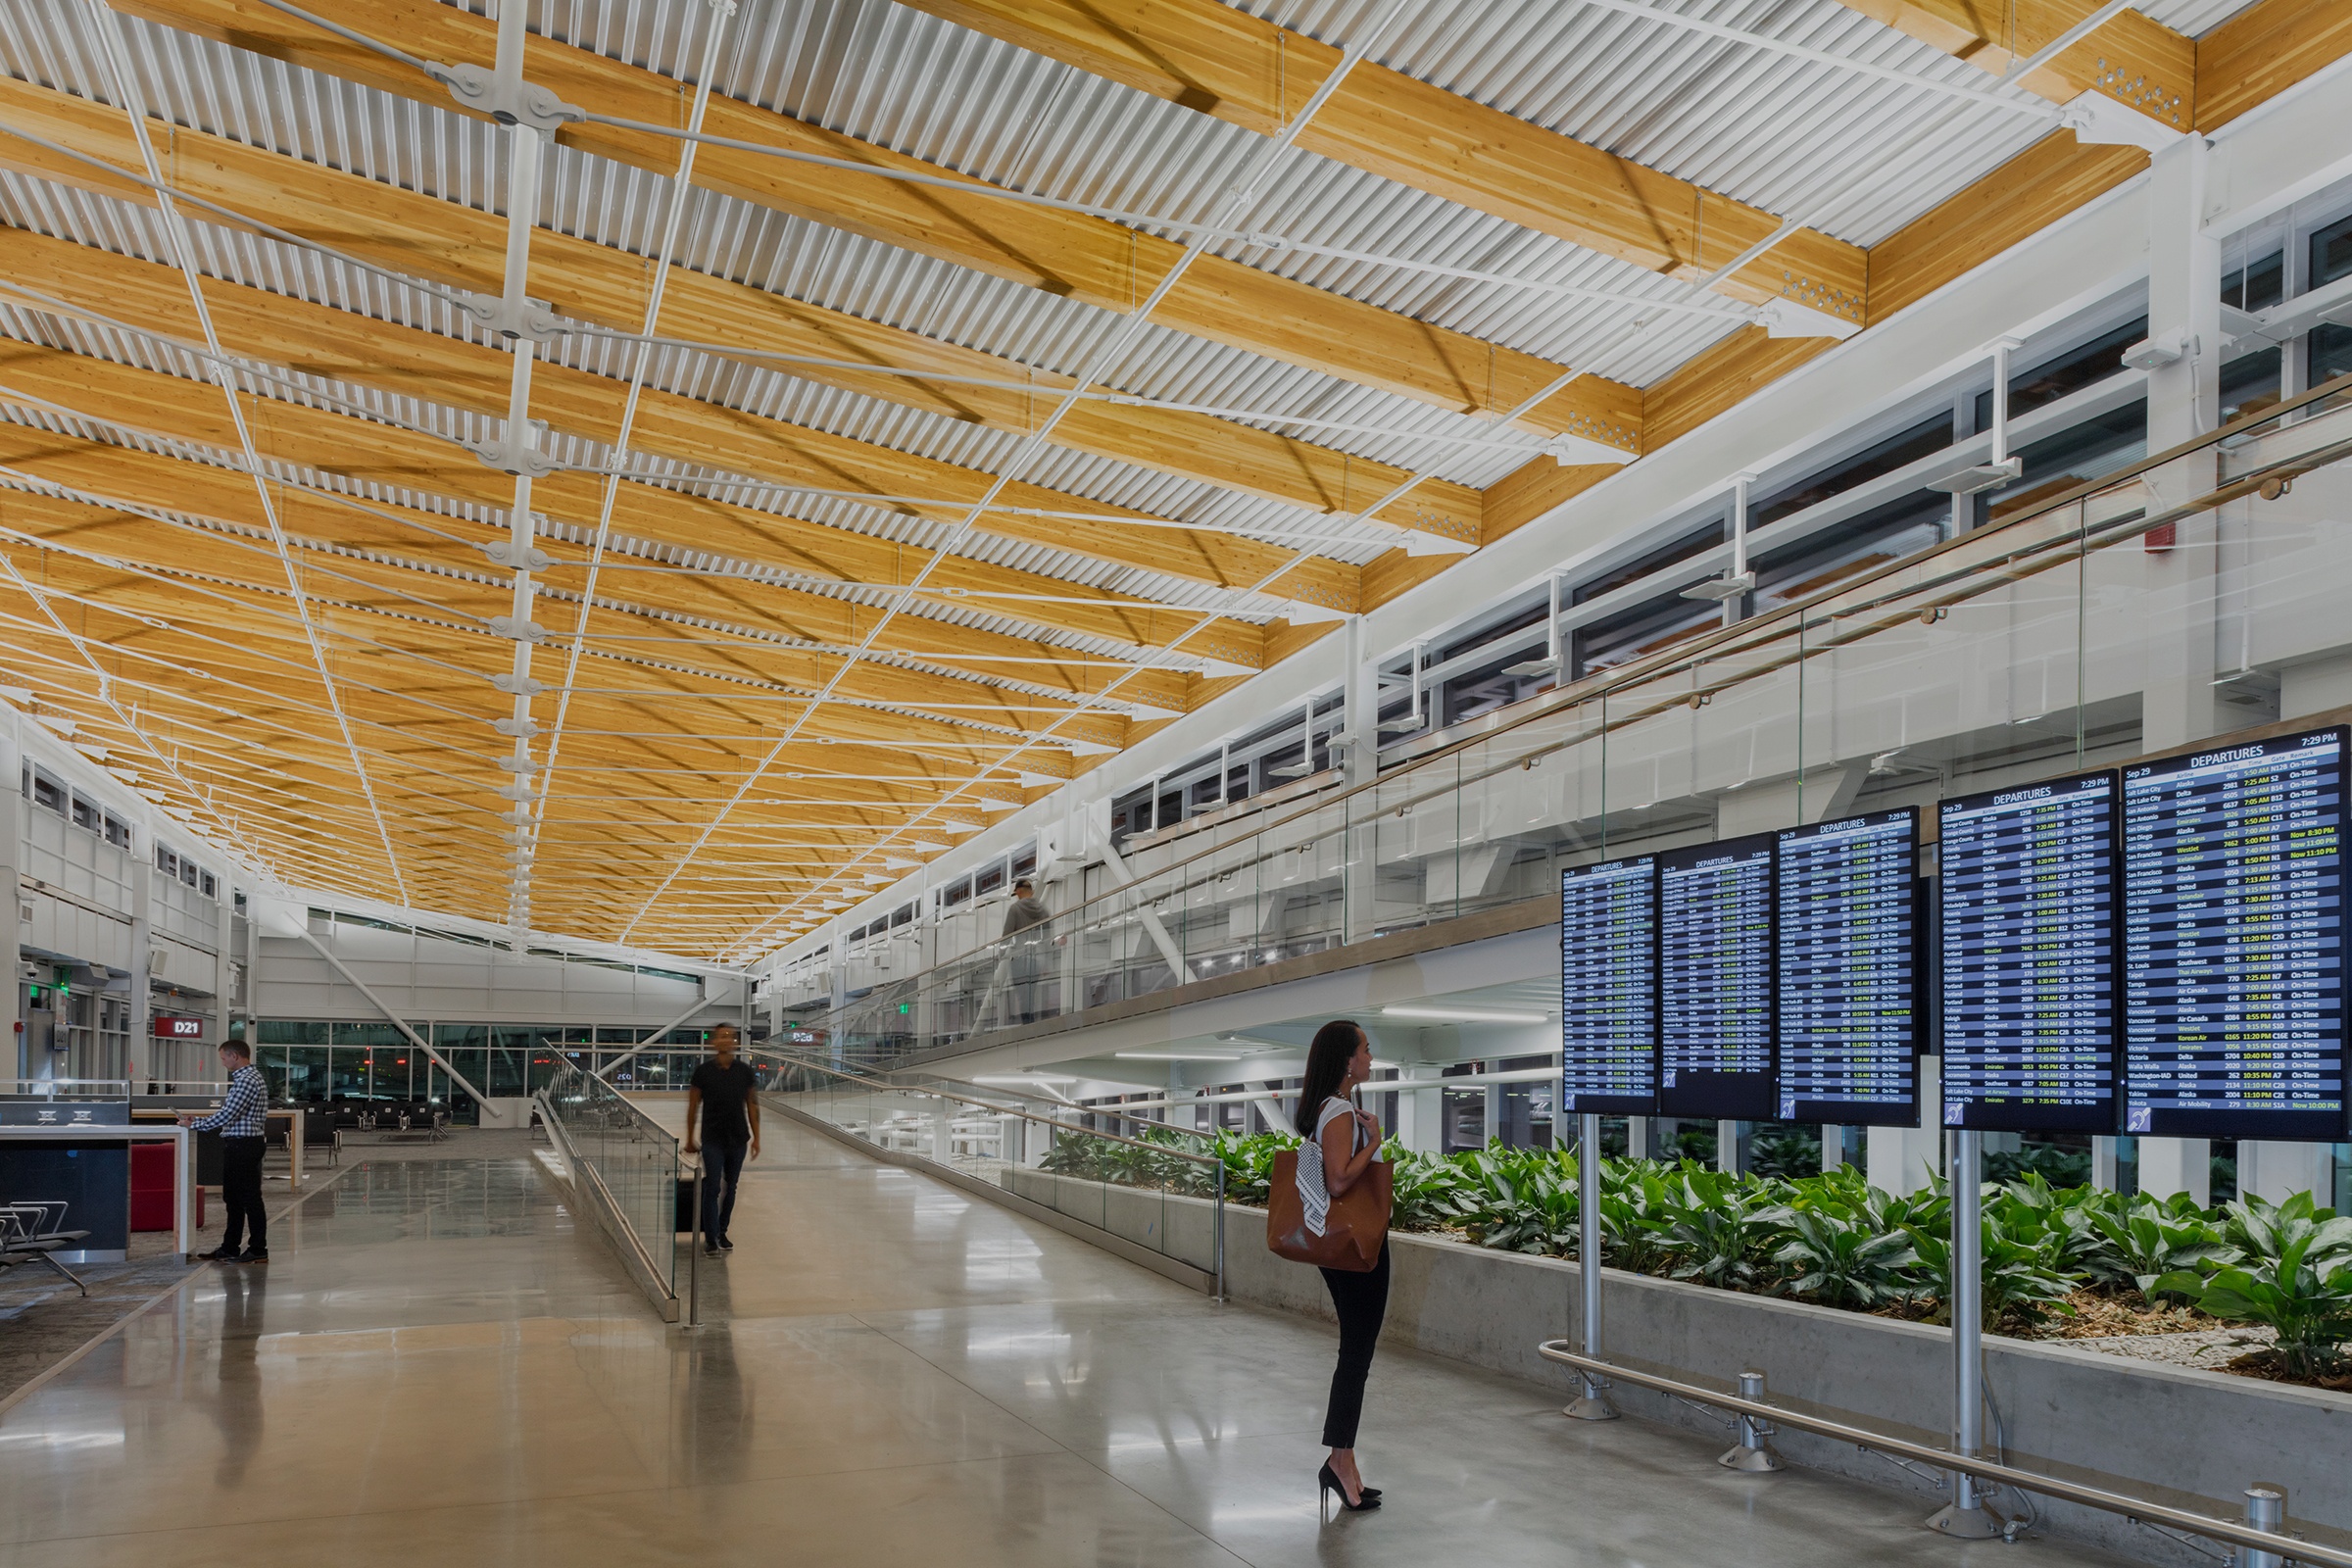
x,y
1067,254
1221,61
358,450
597,284
2138,62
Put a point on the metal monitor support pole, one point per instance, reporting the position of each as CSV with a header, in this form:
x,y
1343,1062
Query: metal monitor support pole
x,y
1967,1516
1592,1403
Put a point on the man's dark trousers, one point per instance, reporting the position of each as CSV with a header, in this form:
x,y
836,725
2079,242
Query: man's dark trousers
x,y
722,1169
241,1194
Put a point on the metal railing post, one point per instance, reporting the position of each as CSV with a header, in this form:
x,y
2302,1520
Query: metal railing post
x,y
1592,1403
1753,1451
2266,1512
1220,1243
1966,1516
2257,1537
693,1256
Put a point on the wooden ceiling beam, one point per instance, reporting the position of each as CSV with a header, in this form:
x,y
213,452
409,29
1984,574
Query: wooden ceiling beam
x,y
654,643
2264,50
1067,254
425,236
1223,62
2138,62
174,485
365,452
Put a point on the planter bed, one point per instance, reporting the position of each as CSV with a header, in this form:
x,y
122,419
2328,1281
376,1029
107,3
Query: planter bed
x,y
2190,1437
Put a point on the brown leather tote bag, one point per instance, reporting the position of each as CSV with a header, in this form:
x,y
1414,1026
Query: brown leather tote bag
x,y
1355,1229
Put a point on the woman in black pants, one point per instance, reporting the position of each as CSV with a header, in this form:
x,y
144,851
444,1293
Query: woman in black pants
x,y
1341,1145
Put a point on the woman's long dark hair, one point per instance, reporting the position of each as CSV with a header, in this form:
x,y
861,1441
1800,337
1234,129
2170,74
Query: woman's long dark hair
x,y
1326,1065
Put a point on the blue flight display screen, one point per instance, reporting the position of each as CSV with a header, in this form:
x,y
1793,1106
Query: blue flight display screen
x,y
2029,978
1715,1056
1609,988
1846,938
2234,942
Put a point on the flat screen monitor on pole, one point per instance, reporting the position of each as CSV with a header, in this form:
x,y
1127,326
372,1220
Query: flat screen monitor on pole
x,y
1609,988
2028,969
1715,1056
2234,942
1846,946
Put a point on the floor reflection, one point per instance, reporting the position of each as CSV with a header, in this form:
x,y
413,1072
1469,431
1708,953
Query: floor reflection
x,y
438,1366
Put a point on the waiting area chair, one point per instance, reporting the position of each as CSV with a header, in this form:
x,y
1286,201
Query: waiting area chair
x,y
29,1231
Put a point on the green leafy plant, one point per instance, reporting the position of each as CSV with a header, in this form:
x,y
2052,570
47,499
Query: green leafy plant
x,y
2145,1242
2022,1280
1636,1212
2303,1293
1839,1260
1430,1194
1717,1233
1523,1204
1787,1154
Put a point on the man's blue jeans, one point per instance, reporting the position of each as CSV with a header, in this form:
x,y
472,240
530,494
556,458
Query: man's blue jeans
x,y
722,1169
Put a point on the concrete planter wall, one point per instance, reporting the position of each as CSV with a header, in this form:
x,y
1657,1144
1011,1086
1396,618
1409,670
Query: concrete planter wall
x,y
2193,1440
1181,1228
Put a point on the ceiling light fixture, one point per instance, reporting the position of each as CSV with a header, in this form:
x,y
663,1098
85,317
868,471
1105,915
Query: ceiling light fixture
x,y
1178,1056
1442,1014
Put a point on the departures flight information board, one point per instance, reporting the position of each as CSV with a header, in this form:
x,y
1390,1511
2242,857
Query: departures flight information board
x,y
1846,940
2028,984
2234,942
1715,1056
1609,988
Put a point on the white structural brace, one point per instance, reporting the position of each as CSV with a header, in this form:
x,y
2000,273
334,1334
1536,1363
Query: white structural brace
x,y
653,1039
398,1022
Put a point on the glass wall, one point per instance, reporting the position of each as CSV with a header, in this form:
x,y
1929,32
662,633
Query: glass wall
x,y
316,1060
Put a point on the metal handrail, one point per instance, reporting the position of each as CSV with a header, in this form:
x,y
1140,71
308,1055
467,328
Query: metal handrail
x,y
994,1109
1599,686
2224,1530
635,1109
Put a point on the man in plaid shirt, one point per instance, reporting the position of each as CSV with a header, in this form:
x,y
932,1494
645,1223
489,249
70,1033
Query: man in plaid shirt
x,y
242,1120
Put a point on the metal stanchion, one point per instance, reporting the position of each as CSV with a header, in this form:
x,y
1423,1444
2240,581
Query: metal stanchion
x,y
2266,1512
1592,1403
1966,1516
1754,1451
1220,1230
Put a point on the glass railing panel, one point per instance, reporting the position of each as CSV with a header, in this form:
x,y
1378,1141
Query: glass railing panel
x,y
633,1160
1155,1187
2041,640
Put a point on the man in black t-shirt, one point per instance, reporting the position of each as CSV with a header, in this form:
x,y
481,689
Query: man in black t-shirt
x,y
723,1105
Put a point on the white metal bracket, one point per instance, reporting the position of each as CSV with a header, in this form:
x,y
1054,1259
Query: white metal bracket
x,y
1571,451
528,318
502,553
478,87
510,457
2098,120
1786,317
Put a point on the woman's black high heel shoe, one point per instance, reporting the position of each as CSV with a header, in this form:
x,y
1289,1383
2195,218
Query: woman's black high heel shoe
x,y
1327,1481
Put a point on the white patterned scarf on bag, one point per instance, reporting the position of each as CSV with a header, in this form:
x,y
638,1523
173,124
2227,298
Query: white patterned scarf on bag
x,y
1313,1198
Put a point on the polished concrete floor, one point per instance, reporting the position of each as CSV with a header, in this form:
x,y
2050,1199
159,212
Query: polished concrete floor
x,y
440,1367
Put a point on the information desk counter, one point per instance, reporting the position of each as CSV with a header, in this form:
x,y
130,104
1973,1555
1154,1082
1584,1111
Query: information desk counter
x,y
87,1167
